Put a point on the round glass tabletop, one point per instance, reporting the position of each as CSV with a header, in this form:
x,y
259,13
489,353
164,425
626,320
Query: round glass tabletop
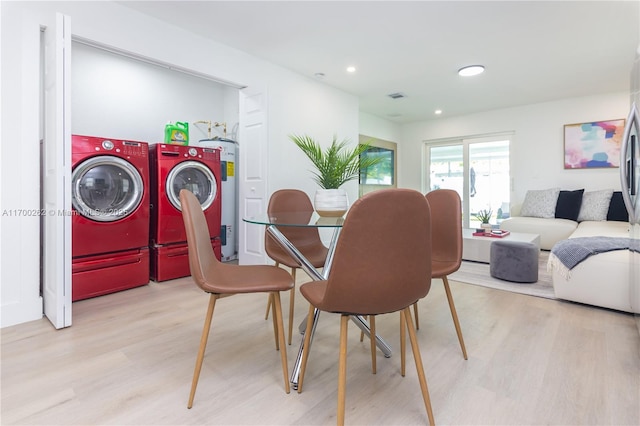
x,y
296,219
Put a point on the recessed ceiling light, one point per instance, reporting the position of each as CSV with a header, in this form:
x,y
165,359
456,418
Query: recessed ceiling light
x,y
471,70
351,69
438,112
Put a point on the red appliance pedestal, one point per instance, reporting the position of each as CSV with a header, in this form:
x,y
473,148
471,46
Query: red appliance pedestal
x,y
171,261
107,273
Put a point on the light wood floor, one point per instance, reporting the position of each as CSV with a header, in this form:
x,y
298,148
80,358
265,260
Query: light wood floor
x,y
129,357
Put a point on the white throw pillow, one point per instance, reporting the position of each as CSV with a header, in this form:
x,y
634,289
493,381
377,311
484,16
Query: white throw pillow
x,y
595,205
540,203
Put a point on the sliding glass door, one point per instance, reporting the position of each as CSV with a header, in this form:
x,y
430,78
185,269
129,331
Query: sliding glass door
x,y
477,168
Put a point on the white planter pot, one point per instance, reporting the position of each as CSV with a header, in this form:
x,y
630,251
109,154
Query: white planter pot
x,y
486,226
331,202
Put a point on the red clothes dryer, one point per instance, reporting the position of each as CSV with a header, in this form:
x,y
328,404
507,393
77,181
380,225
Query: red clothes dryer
x,y
111,216
176,167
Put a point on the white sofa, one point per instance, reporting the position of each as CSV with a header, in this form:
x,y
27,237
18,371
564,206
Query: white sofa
x,y
550,230
600,280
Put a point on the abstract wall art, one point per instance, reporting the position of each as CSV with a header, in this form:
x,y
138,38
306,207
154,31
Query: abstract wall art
x,y
593,145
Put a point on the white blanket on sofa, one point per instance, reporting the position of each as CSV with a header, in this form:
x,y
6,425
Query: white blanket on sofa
x,y
566,254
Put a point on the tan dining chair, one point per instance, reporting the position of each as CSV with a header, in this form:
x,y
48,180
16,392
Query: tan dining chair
x,y
224,279
306,240
361,281
446,246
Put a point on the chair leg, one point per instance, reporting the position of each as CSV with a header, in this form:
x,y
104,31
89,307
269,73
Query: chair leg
x,y
342,368
306,346
280,327
203,347
292,297
403,344
454,314
275,320
366,317
269,302
372,326
266,314
419,368
415,313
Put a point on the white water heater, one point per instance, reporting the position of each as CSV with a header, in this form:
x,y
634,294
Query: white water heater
x,y
228,161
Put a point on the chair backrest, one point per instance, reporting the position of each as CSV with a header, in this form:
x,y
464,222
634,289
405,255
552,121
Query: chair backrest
x,y
446,223
291,201
382,261
202,259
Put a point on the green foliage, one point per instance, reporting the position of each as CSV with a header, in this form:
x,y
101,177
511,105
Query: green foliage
x,y
335,165
484,215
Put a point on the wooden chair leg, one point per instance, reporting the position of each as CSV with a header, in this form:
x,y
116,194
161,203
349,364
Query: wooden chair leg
x,y
203,347
366,317
342,369
454,314
275,320
280,329
415,313
269,302
403,344
372,326
419,368
307,344
292,298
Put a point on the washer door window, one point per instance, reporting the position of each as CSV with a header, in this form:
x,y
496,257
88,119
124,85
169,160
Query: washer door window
x,y
194,176
106,188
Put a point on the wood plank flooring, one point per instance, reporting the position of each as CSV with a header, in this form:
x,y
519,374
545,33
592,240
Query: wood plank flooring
x,y
128,360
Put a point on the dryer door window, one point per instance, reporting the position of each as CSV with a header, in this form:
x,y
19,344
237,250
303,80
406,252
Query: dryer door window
x,y
106,188
194,176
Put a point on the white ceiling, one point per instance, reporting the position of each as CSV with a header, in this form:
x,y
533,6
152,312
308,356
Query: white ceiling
x,y
533,51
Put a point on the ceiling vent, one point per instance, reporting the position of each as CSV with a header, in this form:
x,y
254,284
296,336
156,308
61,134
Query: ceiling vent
x,y
396,95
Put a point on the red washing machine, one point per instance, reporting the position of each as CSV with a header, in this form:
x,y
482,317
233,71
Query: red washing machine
x,y
176,167
111,215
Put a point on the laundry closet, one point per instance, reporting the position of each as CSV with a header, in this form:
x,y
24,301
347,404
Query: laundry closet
x,y
127,225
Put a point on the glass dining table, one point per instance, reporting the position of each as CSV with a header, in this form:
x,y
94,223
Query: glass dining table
x,y
297,219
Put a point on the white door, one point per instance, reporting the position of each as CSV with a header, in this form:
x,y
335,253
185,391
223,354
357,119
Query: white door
x,y
253,141
56,170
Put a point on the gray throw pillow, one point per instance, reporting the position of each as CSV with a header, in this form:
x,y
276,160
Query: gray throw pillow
x,y
595,205
540,203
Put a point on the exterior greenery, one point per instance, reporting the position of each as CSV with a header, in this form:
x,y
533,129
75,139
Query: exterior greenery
x,y
336,164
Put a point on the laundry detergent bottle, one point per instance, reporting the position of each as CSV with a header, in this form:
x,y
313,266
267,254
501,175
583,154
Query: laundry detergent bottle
x,y
177,133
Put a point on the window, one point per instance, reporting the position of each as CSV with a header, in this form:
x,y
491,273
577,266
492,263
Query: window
x,y
383,174
477,168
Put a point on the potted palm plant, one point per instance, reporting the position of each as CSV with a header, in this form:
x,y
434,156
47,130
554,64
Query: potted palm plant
x,y
334,166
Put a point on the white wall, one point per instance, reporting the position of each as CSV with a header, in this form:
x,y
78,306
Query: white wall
x,y
19,167
122,98
376,127
537,156
295,104
312,109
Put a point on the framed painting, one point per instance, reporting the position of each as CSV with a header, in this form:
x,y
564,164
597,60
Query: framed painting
x,y
593,145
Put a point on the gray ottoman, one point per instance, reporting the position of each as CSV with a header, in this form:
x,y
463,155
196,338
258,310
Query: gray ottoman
x,y
514,261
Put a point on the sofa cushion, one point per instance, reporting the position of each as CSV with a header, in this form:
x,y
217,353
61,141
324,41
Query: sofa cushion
x,y
550,230
617,209
601,228
568,206
540,203
595,205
